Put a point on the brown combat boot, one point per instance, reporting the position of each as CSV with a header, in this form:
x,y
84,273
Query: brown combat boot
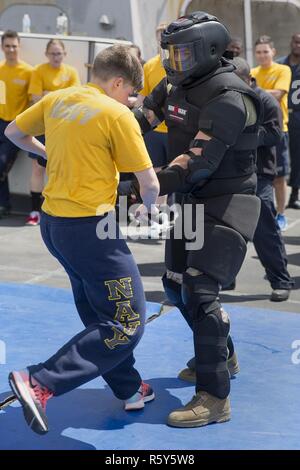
x,y
203,409
189,375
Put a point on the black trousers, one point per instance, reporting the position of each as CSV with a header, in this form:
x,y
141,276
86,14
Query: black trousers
x,y
294,137
268,241
8,155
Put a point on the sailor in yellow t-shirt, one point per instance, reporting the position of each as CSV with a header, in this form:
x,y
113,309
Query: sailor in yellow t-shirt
x,y
276,80
51,76
91,136
14,82
157,140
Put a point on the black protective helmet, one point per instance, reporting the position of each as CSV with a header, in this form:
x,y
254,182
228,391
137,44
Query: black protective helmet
x,y
192,46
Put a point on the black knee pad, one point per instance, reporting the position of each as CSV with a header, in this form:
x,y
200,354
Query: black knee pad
x,y
222,255
199,294
211,329
216,323
173,293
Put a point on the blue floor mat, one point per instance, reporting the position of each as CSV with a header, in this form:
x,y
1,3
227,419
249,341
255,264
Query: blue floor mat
x,y
265,398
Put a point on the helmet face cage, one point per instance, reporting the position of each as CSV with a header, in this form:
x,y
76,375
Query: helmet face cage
x,y
179,57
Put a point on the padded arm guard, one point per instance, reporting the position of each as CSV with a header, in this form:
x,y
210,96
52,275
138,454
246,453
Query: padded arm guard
x,y
172,179
175,179
142,120
154,102
224,119
157,98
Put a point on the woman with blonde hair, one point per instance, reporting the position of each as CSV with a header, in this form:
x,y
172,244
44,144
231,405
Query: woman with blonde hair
x,y
50,76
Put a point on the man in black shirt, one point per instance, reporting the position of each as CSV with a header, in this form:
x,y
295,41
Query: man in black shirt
x,y
293,61
267,240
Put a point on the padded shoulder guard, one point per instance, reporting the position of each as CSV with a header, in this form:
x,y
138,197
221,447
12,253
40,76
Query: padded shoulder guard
x,y
224,118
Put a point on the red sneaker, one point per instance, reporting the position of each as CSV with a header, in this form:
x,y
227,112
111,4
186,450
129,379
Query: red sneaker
x,y
33,219
138,400
33,398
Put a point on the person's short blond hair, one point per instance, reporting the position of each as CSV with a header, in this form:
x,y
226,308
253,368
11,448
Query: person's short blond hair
x,y
118,61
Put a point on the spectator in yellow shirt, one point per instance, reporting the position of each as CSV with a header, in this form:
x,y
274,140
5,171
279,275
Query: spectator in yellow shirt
x,y
276,79
91,136
51,76
136,50
14,81
156,141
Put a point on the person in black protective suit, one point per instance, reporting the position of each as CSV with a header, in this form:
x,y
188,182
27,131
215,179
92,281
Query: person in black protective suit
x,y
267,239
213,120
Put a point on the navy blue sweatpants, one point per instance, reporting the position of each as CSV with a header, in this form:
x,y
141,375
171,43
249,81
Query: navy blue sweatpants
x,y
110,300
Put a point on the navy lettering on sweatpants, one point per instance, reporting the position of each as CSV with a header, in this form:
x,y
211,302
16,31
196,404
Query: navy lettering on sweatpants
x,y
125,316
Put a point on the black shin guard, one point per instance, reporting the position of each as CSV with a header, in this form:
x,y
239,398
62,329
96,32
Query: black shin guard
x,y
211,329
230,346
210,340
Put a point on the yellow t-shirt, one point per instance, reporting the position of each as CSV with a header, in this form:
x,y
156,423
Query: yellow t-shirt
x,y
276,77
90,138
47,78
154,72
14,83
